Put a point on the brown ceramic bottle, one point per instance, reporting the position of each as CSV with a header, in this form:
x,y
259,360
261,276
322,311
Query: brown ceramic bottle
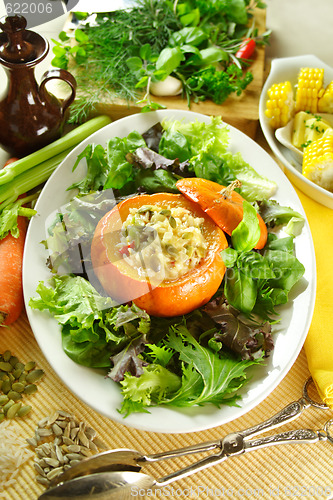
x,y
30,117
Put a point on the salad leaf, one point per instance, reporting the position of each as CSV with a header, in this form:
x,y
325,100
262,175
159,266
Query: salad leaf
x,y
128,361
8,218
211,136
254,186
275,215
245,236
220,376
206,377
71,300
97,169
246,339
121,170
156,384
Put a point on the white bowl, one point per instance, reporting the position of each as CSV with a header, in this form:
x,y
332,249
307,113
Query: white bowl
x,y
283,69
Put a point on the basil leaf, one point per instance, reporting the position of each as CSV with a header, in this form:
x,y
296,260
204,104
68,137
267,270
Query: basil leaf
x,y
169,59
247,233
240,290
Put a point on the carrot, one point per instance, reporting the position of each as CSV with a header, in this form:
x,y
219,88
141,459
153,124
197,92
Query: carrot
x,y
9,161
11,291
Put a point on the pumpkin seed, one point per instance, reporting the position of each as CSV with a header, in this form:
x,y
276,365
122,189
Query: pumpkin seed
x,y
2,417
189,250
166,212
18,386
171,250
34,376
13,361
11,413
172,222
3,399
145,208
24,410
29,366
187,235
6,355
5,366
15,396
30,389
7,406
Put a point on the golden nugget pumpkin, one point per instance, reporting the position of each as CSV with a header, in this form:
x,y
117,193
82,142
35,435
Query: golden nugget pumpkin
x,y
138,254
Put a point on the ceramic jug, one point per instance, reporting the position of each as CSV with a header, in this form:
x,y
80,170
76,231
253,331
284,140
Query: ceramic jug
x,y
30,116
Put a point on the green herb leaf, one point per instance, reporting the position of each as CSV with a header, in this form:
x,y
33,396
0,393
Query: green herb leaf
x,y
247,233
169,59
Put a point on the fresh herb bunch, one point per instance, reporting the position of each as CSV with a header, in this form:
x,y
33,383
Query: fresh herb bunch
x,y
119,54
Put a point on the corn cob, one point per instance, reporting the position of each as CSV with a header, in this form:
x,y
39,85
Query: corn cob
x,y
309,88
318,161
280,104
325,103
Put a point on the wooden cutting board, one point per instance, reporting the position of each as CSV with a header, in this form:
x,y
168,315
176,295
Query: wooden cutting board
x,y
240,111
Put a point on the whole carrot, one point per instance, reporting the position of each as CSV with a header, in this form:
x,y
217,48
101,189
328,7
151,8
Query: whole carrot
x,y
11,292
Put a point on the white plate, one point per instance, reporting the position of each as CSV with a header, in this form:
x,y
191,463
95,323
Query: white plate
x,y
284,69
102,393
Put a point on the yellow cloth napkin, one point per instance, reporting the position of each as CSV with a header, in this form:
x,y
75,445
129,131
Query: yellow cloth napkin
x,y
319,342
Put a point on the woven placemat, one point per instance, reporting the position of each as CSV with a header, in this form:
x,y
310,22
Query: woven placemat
x,y
283,472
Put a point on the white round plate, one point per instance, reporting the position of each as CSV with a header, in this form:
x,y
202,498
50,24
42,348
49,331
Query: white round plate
x,y
102,393
286,69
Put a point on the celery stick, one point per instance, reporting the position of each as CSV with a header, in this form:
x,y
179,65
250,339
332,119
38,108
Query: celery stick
x,y
73,138
29,179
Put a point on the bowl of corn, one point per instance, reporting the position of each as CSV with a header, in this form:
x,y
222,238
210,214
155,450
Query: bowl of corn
x,y
296,117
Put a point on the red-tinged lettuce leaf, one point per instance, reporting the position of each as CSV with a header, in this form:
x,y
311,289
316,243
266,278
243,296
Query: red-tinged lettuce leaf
x,y
128,360
206,377
244,339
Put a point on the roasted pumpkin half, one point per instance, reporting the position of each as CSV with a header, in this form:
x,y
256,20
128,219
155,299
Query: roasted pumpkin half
x,y
222,204
160,251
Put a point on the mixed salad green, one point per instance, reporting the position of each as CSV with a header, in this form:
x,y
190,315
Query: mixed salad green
x,y
204,356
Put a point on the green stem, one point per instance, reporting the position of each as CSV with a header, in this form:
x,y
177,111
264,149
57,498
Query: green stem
x,y
30,179
69,140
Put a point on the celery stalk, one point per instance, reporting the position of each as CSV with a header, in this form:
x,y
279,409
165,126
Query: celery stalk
x,y
30,179
73,138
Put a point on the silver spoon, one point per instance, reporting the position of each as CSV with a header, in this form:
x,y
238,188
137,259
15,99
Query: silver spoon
x,y
122,483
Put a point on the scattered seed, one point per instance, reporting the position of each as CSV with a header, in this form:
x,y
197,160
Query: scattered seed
x,y
15,396
57,431
2,417
3,399
18,387
34,376
5,366
29,366
45,432
43,480
54,473
32,441
12,411
6,355
24,410
172,222
39,469
6,386
13,385
51,461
